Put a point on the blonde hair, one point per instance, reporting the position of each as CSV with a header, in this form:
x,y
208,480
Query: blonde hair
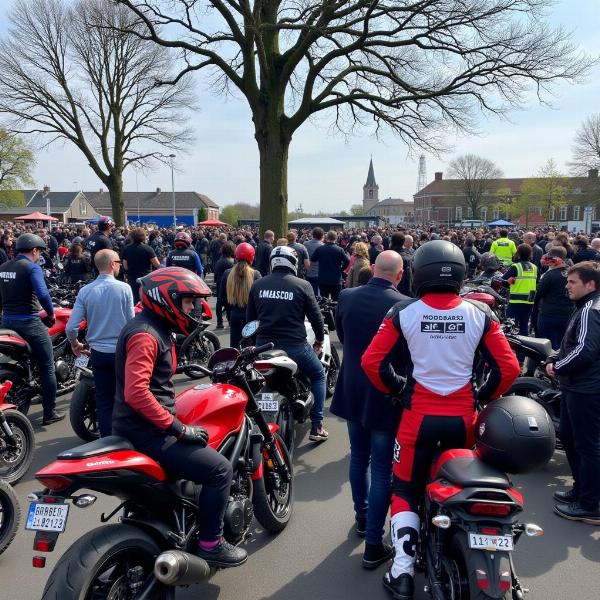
x,y
239,282
361,249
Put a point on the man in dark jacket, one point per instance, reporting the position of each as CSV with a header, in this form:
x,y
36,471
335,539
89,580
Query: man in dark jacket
x,y
536,251
372,417
578,369
584,250
263,253
332,261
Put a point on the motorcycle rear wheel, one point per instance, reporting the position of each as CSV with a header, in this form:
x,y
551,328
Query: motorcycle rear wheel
x,y
273,507
201,349
100,565
15,461
10,515
332,372
82,410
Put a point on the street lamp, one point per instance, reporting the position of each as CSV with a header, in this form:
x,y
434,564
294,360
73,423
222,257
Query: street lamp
x,y
172,156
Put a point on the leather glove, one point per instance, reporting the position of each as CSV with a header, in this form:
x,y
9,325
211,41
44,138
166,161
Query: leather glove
x,y
194,434
49,320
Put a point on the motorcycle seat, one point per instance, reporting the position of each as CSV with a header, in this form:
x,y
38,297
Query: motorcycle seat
x,y
111,443
540,345
271,354
472,472
13,333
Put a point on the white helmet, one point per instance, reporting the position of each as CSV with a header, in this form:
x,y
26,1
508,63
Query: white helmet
x,y
284,256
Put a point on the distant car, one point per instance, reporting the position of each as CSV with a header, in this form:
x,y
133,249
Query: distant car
x,y
472,223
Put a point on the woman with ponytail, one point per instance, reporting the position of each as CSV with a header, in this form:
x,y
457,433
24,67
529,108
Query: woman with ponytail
x,y
235,289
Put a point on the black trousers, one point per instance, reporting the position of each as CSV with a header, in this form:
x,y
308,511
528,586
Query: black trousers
x,y
330,291
580,435
200,465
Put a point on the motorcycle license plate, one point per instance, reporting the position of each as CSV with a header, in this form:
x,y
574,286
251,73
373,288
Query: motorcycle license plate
x,y
491,543
82,361
47,517
267,403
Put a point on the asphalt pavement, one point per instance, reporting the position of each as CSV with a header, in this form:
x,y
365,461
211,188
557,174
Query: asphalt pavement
x,y
318,556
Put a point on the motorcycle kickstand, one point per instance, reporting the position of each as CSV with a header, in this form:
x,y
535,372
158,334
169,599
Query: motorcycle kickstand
x,y
518,591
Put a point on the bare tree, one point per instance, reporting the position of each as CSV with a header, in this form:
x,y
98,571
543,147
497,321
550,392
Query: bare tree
x,y
68,71
586,147
419,67
474,175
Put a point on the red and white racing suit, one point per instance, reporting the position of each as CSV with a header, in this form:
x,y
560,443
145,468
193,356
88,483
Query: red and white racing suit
x,y
425,349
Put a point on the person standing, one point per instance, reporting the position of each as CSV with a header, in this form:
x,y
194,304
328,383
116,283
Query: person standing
x,y
312,275
521,278
472,257
361,260
584,250
280,302
106,304
301,252
184,256
376,248
577,367
77,266
552,303
372,418
530,239
235,289
138,260
504,248
263,253
332,261
100,240
22,290
225,262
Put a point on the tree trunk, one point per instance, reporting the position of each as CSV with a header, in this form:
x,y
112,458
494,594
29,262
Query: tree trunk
x,y
115,189
273,147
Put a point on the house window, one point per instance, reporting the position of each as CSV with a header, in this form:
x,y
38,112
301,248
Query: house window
x,y
459,213
483,213
496,214
82,206
552,215
563,213
370,193
469,212
576,213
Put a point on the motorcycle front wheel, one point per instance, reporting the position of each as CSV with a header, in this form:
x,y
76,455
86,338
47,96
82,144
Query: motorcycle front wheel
x,y
16,458
82,411
10,515
333,371
107,563
272,498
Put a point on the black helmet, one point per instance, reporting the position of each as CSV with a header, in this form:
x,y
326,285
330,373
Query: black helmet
x,y
26,242
438,266
515,434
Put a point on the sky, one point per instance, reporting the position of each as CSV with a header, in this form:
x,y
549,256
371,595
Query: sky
x,y
326,172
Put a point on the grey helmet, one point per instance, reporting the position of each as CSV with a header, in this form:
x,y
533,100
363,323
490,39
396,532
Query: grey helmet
x,y
26,242
489,262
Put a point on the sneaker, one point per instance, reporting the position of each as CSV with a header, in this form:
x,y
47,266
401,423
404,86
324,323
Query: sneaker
x,y
576,512
223,556
220,326
567,497
401,587
361,526
376,554
54,417
318,434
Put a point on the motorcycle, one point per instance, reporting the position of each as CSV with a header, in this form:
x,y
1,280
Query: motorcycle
x,y
329,356
150,551
469,530
18,366
16,454
196,348
488,295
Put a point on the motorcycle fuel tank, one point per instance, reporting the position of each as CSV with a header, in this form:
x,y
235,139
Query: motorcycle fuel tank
x,y
218,407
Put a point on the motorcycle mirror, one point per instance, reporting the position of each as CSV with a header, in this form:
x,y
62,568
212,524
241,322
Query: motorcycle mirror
x,y
250,329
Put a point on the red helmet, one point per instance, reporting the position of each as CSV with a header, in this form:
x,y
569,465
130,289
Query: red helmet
x,y
163,290
245,251
182,239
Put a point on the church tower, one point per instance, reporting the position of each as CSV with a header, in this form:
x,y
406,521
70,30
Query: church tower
x,y
370,190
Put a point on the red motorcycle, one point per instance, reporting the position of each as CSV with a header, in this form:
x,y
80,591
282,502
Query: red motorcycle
x,y
16,454
150,550
17,364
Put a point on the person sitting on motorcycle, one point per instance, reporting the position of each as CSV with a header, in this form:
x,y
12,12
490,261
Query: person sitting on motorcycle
x,y
436,336
184,256
491,270
281,301
144,409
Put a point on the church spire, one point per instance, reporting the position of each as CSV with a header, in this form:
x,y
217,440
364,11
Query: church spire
x,y
371,175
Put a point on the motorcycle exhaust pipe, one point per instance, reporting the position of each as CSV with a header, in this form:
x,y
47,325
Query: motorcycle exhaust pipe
x,y
175,567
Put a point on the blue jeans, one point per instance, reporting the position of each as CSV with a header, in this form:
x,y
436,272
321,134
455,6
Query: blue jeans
x,y
105,379
552,328
37,336
308,362
369,447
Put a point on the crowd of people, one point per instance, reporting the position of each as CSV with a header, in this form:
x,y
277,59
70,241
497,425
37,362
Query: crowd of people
x,y
388,280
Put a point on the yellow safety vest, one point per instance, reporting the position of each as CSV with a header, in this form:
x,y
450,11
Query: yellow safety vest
x,y
522,291
504,250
